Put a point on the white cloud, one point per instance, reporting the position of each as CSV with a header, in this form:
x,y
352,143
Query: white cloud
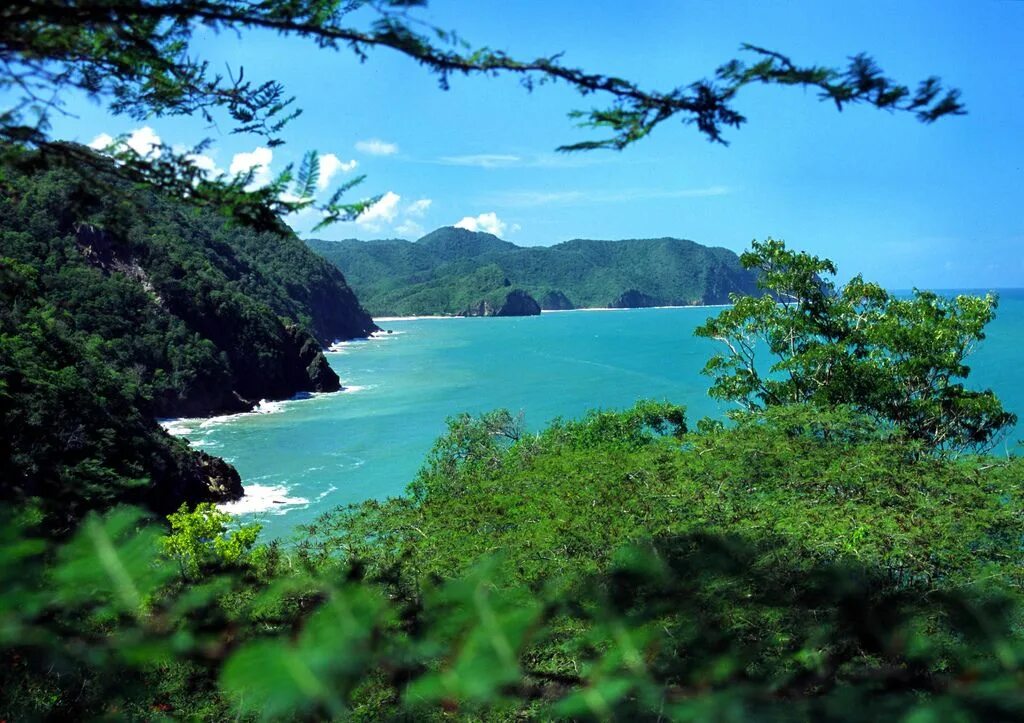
x,y
487,222
101,142
385,211
377,147
143,141
409,229
330,165
418,208
204,163
482,160
258,161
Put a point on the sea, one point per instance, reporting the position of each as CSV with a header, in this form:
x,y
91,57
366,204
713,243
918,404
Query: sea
x,y
302,457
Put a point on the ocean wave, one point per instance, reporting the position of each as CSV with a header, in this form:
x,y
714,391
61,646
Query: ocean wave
x,y
184,426
178,427
326,492
263,498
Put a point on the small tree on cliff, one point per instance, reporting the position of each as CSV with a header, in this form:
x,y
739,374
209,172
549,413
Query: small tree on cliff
x,y
901,360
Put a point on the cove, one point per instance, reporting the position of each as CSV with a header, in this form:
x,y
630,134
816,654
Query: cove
x,y
301,458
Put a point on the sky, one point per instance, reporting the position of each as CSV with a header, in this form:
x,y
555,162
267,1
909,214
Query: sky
x,y
906,204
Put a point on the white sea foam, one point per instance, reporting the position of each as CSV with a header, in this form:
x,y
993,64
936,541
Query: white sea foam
x,y
263,498
341,346
178,427
415,318
190,425
326,492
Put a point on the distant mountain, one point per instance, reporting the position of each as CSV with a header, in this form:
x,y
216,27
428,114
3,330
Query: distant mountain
x,y
455,271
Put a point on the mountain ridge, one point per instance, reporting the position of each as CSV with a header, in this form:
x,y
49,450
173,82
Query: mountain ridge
x,y
450,270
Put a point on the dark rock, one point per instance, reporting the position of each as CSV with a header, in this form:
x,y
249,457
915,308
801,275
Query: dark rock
x,y
322,376
220,478
516,303
634,299
180,474
556,301
519,303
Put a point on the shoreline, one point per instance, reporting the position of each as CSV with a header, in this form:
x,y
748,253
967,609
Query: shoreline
x,y
184,426
550,311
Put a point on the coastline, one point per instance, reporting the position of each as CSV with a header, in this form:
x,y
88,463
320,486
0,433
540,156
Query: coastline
x,y
635,308
553,311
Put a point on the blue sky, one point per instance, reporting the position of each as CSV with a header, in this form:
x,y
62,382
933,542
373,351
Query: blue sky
x,y
904,203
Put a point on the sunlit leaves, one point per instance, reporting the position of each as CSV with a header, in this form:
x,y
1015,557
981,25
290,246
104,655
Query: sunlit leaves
x,y
486,628
202,536
899,360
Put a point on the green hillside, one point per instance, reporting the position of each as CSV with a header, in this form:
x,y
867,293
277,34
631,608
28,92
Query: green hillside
x,y
120,306
450,269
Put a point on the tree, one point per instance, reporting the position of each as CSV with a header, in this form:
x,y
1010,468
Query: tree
x,y
898,360
136,56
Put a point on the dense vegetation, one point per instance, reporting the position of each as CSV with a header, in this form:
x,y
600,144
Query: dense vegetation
x,y
901,361
804,559
763,577
451,269
121,306
797,565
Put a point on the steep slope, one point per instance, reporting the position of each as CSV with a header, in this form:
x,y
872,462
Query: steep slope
x,y
121,306
438,272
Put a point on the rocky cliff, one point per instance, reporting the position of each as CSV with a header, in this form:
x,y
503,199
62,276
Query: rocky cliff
x,y
515,303
122,305
633,299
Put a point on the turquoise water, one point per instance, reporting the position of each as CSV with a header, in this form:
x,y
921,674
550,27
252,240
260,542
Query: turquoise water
x,y
300,458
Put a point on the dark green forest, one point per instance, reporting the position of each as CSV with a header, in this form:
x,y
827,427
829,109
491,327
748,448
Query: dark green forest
x,y
122,305
450,270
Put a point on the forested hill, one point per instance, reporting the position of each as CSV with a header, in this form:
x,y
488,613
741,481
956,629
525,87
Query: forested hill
x,y
452,270
120,306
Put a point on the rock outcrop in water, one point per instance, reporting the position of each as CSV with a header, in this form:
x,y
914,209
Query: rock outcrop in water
x,y
633,299
515,303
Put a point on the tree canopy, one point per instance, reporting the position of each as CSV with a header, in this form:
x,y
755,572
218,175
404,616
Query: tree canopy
x,y
900,360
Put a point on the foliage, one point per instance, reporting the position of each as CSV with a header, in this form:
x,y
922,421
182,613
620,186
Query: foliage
x,y
898,360
110,317
450,269
137,56
201,537
786,567
827,480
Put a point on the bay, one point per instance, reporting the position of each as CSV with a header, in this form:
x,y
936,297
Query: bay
x,y
300,458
